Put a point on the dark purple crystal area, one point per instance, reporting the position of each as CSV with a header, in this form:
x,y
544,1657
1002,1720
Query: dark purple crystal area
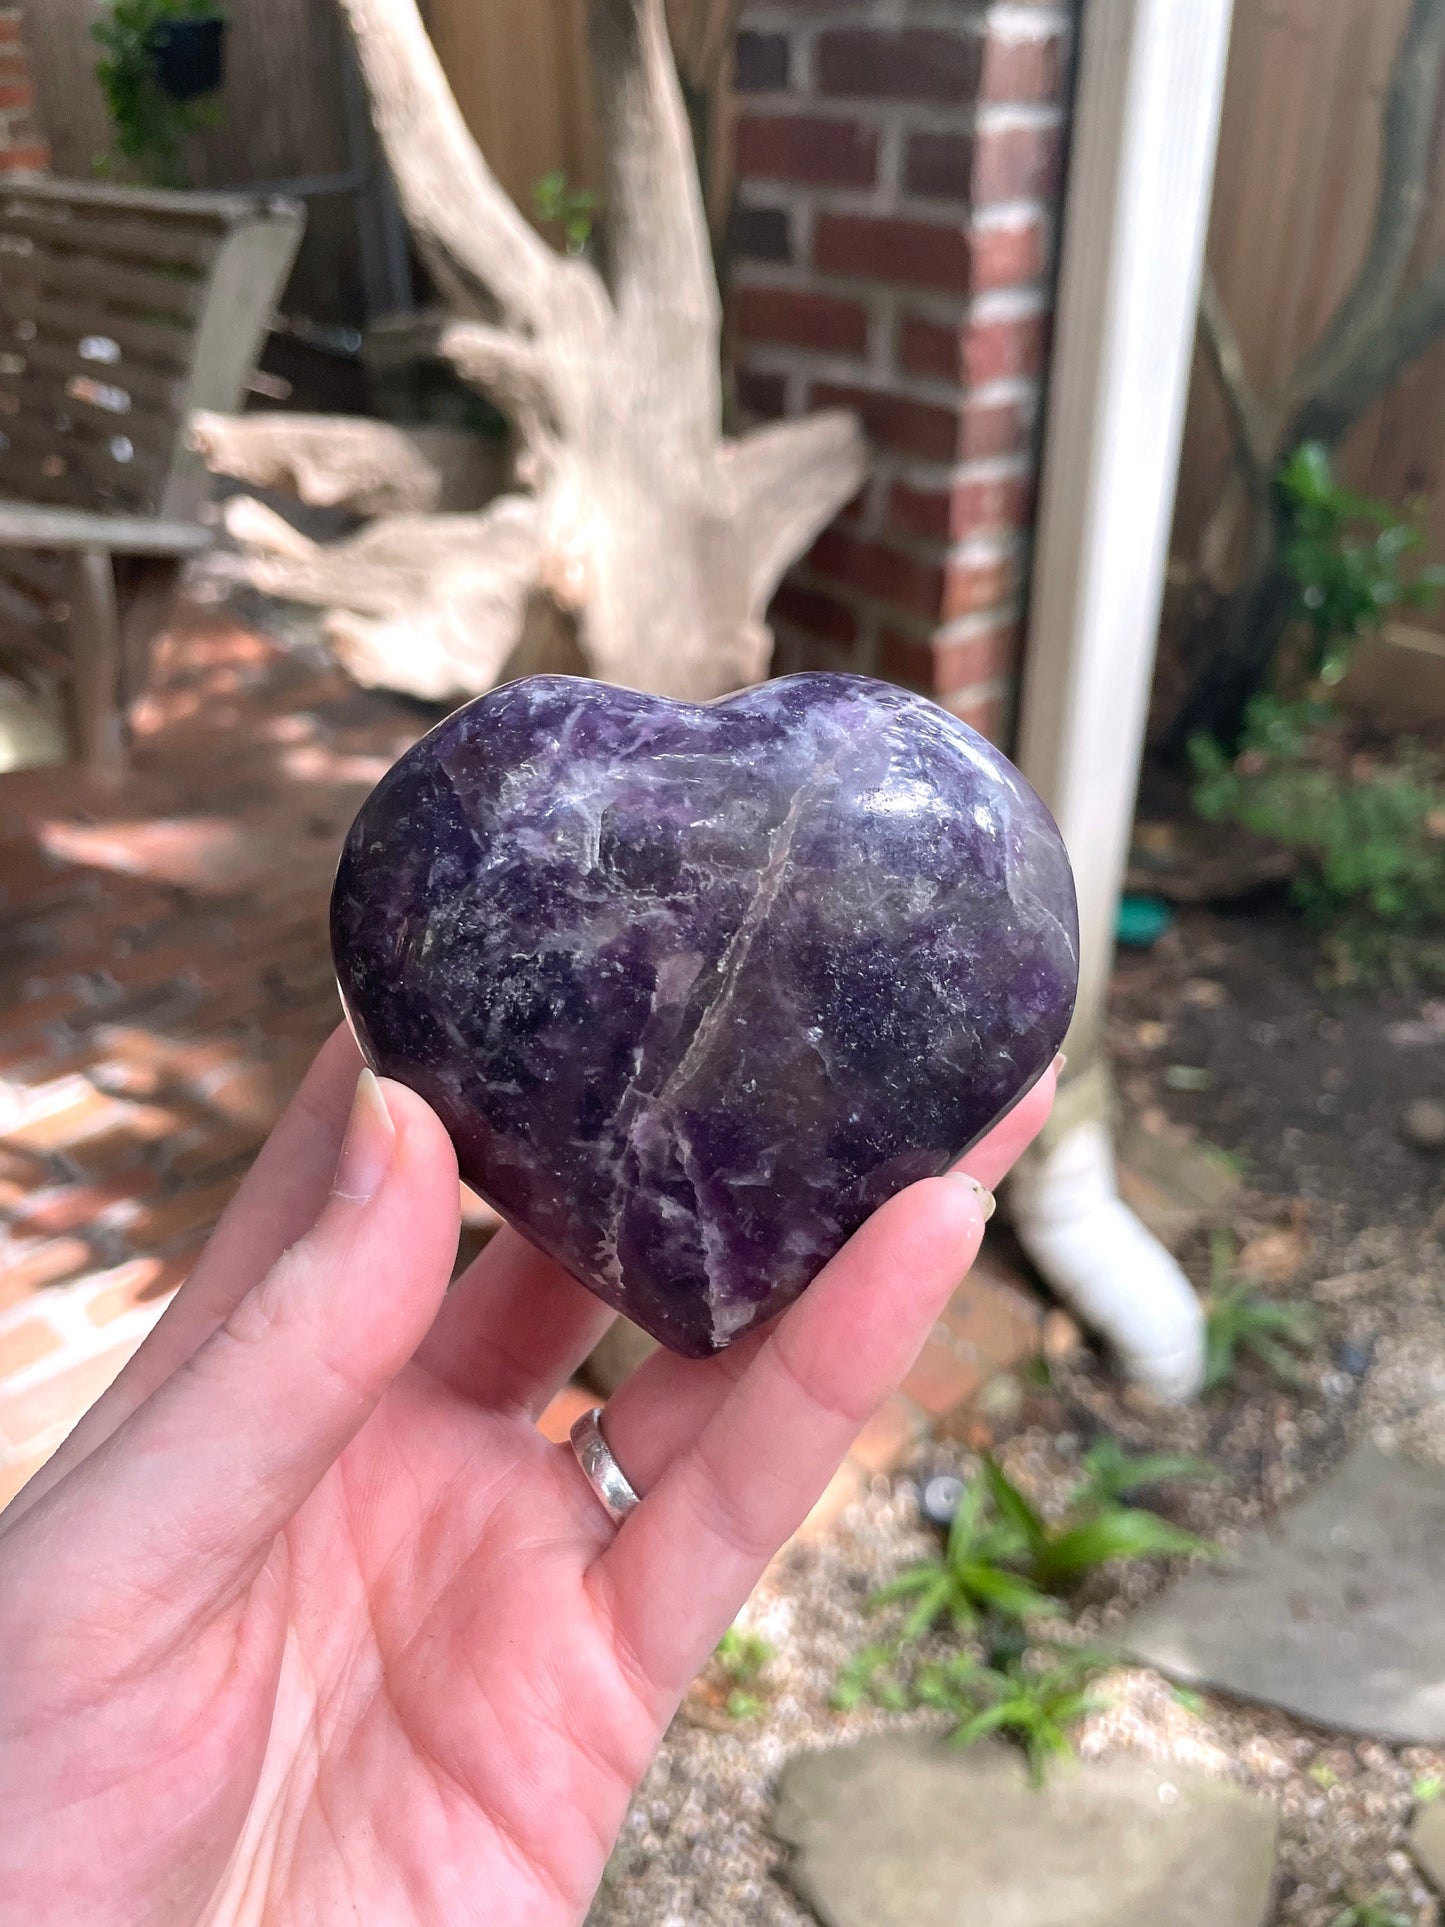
x,y
695,988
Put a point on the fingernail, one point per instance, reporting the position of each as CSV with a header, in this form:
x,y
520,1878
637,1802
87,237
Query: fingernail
x,y
987,1203
370,1140
1059,1062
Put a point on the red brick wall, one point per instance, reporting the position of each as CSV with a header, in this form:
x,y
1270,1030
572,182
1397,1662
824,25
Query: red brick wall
x,y
23,147
900,165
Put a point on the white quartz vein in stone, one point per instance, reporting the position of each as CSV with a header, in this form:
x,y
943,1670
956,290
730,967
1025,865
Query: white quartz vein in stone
x,y
730,968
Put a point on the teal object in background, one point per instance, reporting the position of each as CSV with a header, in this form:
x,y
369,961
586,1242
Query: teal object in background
x,y
1142,921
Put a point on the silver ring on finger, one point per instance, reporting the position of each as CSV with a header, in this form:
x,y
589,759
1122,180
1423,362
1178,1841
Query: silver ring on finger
x,y
614,1490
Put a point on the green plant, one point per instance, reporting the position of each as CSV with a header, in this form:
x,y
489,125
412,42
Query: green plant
x,y
1112,1474
1369,833
1095,1530
150,129
742,1658
1348,559
1003,1560
1376,1910
1238,1320
1427,1789
994,1580
573,209
1034,1702
872,1675
971,1577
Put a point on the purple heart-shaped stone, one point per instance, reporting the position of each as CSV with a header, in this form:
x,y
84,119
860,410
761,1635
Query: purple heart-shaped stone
x,y
695,987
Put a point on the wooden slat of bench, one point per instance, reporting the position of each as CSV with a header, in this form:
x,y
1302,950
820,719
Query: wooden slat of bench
x,y
22,525
155,343
41,407
145,386
88,448
23,478
241,298
39,573
28,411
62,478
148,243
107,285
199,210
26,636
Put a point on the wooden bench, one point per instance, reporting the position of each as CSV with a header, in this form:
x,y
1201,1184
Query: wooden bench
x,y
121,311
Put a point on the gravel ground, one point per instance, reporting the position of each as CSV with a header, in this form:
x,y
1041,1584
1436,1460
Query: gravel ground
x,y
697,1852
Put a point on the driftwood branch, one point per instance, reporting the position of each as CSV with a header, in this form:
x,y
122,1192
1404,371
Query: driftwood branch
x,y
789,480
456,209
657,236
1250,425
649,546
1378,362
336,461
1406,133
428,604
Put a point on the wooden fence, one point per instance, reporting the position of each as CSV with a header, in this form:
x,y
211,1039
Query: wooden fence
x,y
1294,196
521,75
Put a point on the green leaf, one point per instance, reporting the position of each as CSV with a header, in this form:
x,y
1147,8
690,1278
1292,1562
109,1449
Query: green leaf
x,y
1114,1473
1076,1706
744,1706
1127,1532
912,1579
990,1720
1269,1352
1007,1592
855,1682
939,1599
742,1655
1012,1506
967,1517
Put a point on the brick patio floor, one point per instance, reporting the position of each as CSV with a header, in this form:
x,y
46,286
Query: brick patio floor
x,y
165,980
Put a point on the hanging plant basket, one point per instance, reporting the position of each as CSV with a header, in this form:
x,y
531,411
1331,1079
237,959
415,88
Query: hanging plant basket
x,y
188,56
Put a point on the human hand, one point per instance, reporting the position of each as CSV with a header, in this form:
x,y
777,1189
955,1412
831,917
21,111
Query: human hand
x,y
306,1622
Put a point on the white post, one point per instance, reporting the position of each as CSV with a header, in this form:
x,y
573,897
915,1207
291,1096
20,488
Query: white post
x,y
1146,121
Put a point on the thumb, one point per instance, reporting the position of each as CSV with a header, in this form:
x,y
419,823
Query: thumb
x,y
196,1484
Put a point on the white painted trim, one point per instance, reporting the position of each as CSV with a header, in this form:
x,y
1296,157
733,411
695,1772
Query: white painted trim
x,y
1146,123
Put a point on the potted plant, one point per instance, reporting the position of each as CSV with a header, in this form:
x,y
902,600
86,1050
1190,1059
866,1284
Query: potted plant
x,y
188,51
163,58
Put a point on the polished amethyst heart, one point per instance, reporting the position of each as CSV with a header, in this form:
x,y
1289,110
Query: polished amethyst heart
x,y
695,988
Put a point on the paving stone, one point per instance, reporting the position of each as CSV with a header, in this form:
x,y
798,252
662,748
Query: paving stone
x,y
903,1831
994,1318
1427,1843
889,1437
26,1343
1175,1187
564,1411
1332,1612
35,1419
29,1267
939,1379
